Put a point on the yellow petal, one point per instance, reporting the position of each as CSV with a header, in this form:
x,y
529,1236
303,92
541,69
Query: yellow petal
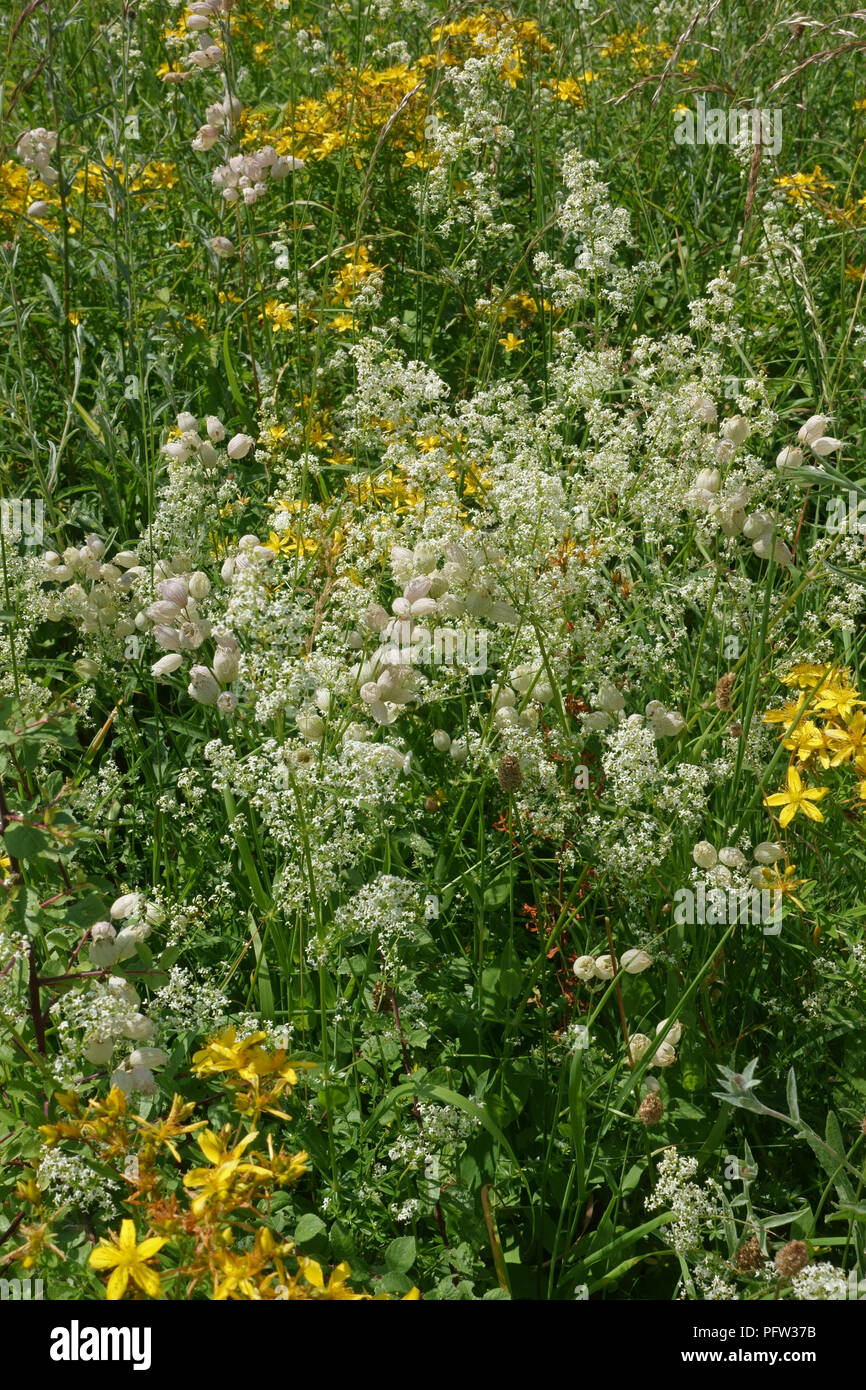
x,y
104,1257
811,811
147,1280
149,1247
777,799
117,1284
126,1240
210,1146
313,1274
788,814
339,1275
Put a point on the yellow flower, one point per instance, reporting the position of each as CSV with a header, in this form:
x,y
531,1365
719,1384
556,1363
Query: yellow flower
x,y
807,739
797,798
571,89
806,675
225,1053
801,187
158,174
787,714
29,1191
784,882
171,1127
851,741
837,700
510,342
128,1260
216,1183
36,1242
280,315
337,1286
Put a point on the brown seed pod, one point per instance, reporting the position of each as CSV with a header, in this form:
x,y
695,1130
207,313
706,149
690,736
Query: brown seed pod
x,y
651,1109
431,805
749,1258
724,686
379,997
792,1258
509,775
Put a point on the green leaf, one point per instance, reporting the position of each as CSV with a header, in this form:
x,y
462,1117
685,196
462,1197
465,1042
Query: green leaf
x,y
497,894
89,421
309,1226
855,1211
395,1283
793,1107
232,378
24,841
400,1255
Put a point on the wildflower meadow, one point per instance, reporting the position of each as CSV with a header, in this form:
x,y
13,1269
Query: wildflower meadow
x,y
433,692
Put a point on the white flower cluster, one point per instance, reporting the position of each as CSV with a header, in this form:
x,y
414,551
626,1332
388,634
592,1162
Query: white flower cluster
x,y
476,128
633,962
729,868
101,1015
599,230
178,629
189,1005
691,1205
221,118
663,1046
391,910
95,1017
819,1283
440,1128
36,149
201,17
246,176
96,596
72,1182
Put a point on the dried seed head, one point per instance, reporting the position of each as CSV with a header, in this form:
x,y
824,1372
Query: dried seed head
x,y
431,805
735,729
863,1125
379,997
724,686
749,1258
651,1109
510,775
792,1258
